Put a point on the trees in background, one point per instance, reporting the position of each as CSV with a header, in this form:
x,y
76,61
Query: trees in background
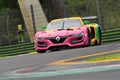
x,y
53,8
10,15
8,4
110,10
66,8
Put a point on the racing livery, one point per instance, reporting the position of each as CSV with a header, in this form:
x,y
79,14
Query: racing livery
x,y
67,32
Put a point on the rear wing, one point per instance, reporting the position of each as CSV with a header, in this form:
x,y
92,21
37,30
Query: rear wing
x,y
90,18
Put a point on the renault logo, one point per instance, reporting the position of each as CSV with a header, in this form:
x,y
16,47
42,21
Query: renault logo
x,y
57,38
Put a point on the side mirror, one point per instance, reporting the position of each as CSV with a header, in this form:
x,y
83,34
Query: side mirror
x,y
86,22
43,28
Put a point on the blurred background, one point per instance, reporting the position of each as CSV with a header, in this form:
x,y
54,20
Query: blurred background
x,y
13,29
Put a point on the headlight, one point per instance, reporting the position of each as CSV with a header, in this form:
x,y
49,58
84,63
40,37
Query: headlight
x,y
40,39
78,35
81,34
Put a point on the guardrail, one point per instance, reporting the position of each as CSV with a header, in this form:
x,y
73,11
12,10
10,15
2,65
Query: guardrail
x,y
111,36
16,49
107,36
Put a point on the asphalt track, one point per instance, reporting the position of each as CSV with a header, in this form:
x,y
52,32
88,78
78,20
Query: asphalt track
x,y
61,65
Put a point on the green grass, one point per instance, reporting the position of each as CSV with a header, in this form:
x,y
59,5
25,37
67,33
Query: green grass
x,y
3,56
108,57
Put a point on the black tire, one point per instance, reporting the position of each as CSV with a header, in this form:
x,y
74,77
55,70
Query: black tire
x,y
43,51
96,43
89,38
55,49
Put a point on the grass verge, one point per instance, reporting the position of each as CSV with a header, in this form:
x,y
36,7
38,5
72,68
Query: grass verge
x,y
107,57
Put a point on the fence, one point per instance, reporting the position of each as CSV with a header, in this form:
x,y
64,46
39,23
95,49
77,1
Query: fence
x,y
9,33
111,36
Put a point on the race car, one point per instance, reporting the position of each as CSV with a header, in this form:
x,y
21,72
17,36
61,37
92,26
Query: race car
x,y
67,32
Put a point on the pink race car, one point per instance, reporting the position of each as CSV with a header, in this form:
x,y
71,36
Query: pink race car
x,y
67,32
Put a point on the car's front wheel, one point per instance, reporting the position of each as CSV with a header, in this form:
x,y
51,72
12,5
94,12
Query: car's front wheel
x,y
89,38
41,51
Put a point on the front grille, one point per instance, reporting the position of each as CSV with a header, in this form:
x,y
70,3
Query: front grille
x,y
53,40
42,44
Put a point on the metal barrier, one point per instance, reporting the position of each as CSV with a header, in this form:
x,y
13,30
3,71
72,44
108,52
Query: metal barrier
x,y
16,49
107,37
111,36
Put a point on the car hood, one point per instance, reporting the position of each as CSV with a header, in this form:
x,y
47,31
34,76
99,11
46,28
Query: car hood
x,y
61,32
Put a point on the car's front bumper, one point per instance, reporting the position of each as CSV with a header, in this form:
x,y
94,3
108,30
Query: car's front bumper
x,y
70,41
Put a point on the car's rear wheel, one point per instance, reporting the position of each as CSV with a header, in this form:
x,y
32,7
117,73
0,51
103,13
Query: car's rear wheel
x,y
41,51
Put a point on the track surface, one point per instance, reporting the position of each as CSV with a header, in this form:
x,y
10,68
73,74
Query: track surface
x,y
107,75
41,60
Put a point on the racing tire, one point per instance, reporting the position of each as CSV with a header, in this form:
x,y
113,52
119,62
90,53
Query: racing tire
x,y
43,51
56,49
89,38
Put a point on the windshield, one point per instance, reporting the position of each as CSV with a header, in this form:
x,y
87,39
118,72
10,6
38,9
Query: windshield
x,y
64,24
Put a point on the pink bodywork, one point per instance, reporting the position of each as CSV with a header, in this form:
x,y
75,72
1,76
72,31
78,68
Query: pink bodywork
x,y
47,44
